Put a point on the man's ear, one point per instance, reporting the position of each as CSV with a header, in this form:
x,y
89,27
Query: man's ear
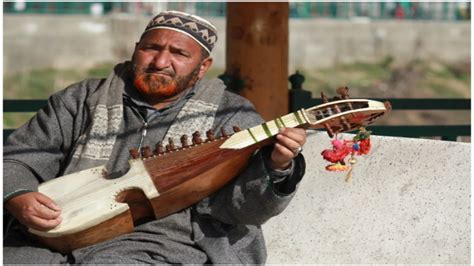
x,y
205,65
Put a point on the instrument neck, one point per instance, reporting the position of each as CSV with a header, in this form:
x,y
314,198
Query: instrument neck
x,y
266,130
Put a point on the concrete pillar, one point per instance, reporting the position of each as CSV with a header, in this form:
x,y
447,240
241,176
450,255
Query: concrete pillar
x,y
257,53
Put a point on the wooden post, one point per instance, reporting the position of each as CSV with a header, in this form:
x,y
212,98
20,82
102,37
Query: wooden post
x,y
257,52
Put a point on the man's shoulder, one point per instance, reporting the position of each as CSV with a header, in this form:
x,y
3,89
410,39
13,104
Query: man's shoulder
x,y
75,95
215,87
238,110
84,87
78,91
232,99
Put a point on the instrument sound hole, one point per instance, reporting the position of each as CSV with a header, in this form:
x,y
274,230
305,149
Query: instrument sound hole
x,y
140,206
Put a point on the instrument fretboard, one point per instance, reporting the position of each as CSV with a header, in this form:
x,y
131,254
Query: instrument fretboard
x,y
264,131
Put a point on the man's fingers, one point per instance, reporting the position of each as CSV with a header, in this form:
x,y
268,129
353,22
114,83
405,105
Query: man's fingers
x,y
34,210
47,202
44,212
281,157
46,208
296,134
289,144
284,151
40,224
292,138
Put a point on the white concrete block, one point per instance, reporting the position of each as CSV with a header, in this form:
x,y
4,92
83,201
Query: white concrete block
x,y
408,202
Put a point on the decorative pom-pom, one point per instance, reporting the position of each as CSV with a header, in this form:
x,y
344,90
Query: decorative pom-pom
x,y
359,145
337,167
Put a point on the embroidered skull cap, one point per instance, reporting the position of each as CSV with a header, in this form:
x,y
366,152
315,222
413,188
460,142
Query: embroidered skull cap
x,y
199,29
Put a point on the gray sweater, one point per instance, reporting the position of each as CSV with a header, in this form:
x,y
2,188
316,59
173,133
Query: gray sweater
x,y
223,228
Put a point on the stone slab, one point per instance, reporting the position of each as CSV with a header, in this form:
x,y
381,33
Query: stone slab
x,y
408,202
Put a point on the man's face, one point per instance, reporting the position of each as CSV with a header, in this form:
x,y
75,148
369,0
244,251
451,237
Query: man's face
x,y
166,63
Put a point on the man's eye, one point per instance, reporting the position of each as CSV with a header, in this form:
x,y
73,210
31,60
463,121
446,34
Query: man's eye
x,y
150,47
181,53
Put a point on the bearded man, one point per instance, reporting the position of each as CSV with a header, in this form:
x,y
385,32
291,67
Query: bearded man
x,y
160,94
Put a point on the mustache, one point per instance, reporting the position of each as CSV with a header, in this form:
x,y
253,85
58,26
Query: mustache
x,y
166,71
152,70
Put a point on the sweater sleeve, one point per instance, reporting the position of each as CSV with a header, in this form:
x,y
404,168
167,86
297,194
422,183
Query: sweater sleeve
x,y
252,197
34,152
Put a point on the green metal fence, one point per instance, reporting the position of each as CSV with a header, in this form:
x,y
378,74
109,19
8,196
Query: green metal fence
x,y
20,106
300,98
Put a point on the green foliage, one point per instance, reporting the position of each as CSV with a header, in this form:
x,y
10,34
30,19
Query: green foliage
x,y
14,120
357,75
100,71
39,84
386,79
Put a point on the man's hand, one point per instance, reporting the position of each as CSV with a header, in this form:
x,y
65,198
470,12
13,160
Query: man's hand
x,y
289,143
35,210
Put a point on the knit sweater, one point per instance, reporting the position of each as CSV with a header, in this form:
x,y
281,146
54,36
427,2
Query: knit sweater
x,y
223,228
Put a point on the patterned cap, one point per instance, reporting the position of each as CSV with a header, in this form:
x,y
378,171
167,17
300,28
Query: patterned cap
x,y
195,27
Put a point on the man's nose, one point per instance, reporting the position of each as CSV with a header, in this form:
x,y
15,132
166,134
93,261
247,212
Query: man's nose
x,y
162,60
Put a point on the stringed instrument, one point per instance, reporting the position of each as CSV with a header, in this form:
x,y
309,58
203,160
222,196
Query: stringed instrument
x,y
167,180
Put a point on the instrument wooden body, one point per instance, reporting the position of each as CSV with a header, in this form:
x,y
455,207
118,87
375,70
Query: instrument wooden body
x,y
95,209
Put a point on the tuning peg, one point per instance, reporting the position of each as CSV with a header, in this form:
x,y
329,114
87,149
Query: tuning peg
x,y
159,149
236,129
210,135
184,141
345,124
324,97
223,133
329,130
197,138
344,92
134,153
170,146
105,173
147,152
